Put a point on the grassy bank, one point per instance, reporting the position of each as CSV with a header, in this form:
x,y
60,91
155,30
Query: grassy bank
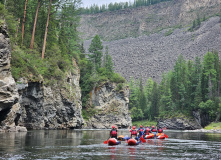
x,y
213,125
144,123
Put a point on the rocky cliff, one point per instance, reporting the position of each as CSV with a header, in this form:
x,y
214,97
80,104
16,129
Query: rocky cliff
x,y
51,107
111,107
9,106
34,104
162,34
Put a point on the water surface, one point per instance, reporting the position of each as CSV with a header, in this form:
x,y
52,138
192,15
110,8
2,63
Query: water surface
x,y
88,144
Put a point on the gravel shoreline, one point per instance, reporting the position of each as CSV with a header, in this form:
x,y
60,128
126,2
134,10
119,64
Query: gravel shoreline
x,y
205,131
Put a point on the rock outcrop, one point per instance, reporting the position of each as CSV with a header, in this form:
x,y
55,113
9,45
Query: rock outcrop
x,y
111,107
179,123
9,106
33,104
51,107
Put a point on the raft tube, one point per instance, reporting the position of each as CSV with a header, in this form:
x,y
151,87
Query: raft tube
x,y
148,136
112,142
132,142
161,137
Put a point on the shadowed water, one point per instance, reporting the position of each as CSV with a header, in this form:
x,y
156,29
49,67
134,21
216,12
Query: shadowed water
x,y
88,144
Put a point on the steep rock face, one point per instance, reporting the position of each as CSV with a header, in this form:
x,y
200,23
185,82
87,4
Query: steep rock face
x,y
9,106
52,107
111,106
179,123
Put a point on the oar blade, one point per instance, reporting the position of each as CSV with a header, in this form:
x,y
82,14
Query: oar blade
x,y
142,139
166,135
105,142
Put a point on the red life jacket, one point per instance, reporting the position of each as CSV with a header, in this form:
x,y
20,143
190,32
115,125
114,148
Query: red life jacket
x,y
154,130
147,132
114,133
133,132
141,130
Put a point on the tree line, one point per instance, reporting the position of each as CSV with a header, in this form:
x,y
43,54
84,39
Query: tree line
x,y
45,41
44,36
190,86
118,6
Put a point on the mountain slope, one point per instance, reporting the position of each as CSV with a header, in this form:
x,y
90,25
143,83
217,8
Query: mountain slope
x,y
151,55
146,20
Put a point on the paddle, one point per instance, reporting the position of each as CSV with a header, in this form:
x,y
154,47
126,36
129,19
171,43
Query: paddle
x,y
142,139
105,142
165,135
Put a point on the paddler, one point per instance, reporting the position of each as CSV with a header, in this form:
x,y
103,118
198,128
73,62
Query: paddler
x,y
113,132
133,132
160,132
147,131
141,131
153,130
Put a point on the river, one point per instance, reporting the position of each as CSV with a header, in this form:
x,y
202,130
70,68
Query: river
x,y
88,144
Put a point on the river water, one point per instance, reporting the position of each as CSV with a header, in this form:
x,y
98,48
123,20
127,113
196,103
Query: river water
x,y
88,144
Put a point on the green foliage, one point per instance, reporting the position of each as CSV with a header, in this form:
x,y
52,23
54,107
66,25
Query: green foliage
x,y
119,87
196,24
9,19
95,49
144,123
136,114
115,77
169,32
59,55
190,86
94,71
214,126
88,113
93,9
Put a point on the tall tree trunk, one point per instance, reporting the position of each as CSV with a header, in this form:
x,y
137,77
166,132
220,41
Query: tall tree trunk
x,y
17,28
23,23
33,32
210,87
4,3
46,31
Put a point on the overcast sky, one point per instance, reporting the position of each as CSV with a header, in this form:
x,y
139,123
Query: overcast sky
x,y
100,2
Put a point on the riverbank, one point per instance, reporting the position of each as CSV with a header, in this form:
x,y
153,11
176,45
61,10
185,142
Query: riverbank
x,y
205,130
211,128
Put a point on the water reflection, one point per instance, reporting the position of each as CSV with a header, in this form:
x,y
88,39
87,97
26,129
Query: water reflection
x,y
88,144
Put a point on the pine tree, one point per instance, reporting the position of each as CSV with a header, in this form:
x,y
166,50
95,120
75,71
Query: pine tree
x,y
108,63
96,52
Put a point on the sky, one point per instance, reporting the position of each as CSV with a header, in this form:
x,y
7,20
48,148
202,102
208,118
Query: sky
x,y
88,3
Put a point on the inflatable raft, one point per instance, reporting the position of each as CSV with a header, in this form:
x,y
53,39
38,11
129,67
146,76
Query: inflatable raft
x,y
112,142
132,142
151,135
161,137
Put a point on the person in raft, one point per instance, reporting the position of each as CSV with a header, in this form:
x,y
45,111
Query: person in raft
x,y
147,131
141,131
160,132
154,131
113,132
133,132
